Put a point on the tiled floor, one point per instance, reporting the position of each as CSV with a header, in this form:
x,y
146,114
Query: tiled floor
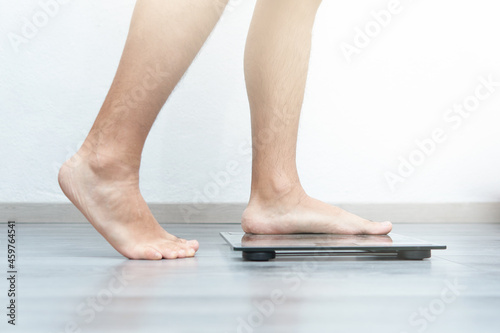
x,y
71,280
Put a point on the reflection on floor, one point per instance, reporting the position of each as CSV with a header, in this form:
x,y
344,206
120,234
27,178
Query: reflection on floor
x,y
71,280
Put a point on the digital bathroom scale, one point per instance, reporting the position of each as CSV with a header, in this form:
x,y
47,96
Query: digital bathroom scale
x,y
265,247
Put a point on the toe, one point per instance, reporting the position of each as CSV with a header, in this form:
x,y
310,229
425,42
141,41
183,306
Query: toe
x,y
186,251
190,252
169,253
379,228
170,250
193,244
148,253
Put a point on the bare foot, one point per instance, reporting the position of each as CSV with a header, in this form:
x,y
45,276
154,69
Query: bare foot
x,y
293,211
107,193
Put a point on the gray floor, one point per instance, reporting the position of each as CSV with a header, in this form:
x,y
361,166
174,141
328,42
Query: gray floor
x,y
71,280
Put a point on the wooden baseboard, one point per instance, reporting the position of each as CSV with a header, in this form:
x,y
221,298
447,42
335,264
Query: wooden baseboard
x,y
477,212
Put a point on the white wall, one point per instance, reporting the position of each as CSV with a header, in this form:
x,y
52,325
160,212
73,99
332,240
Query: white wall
x,y
358,118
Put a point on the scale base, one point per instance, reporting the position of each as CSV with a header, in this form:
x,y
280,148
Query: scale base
x,y
267,247
402,255
258,256
414,254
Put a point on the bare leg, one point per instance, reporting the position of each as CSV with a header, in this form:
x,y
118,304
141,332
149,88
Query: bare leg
x,y
276,63
102,178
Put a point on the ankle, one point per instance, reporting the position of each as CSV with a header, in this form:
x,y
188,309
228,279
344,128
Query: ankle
x,y
108,164
275,189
